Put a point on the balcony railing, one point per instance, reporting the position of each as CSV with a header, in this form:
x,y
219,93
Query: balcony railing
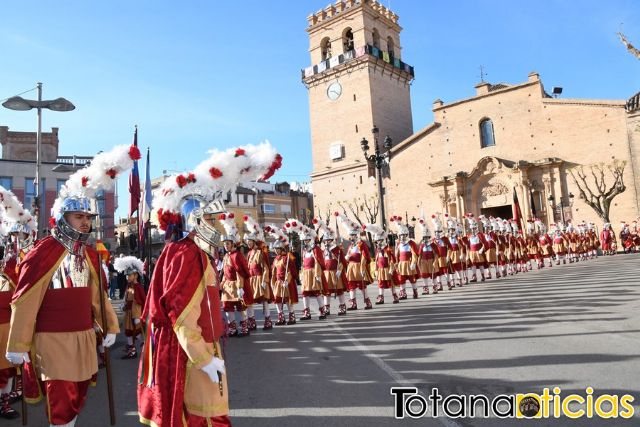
x,y
74,160
633,103
357,53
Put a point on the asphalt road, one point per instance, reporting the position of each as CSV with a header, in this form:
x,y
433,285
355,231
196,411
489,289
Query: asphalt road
x,y
570,326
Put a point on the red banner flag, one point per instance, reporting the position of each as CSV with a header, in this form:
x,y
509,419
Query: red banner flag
x,y
134,182
517,213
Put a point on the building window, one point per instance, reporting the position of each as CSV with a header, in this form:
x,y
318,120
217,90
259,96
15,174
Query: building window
x,y
29,193
268,208
5,182
285,209
59,184
390,47
325,48
486,134
376,38
245,198
347,40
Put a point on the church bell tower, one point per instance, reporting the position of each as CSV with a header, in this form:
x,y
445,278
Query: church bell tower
x,y
357,80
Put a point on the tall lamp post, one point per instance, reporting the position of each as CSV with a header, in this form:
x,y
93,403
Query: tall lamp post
x,y
378,159
18,103
561,205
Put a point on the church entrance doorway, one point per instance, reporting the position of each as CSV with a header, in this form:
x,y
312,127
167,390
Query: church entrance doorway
x,y
504,212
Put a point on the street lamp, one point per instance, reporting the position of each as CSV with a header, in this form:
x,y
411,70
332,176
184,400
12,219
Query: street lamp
x,y
18,103
378,159
561,204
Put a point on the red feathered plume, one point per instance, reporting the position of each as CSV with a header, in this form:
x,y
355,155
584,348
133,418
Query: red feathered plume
x,y
215,173
222,217
112,173
181,181
231,215
315,220
245,217
134,153
277,164
336,214
239,152
85,181
52,222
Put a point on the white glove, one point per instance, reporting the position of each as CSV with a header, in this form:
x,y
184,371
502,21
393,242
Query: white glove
x,y
318,280
338,273
136,321
240,293
481,251
212,368
108,340
412,267
18,357
392,269
264,285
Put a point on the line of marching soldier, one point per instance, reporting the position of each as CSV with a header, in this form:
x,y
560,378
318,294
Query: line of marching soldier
x,y
453,252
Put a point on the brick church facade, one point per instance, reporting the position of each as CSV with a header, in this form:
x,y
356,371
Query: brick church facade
x,y
478,151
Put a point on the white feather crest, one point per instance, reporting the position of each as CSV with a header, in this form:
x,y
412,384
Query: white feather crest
x,y
296,226
218,174
123,264
347,224
100,174
276,233
424,227
12,210
253,227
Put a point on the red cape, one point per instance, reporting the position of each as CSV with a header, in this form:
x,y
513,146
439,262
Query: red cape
x,y
178,273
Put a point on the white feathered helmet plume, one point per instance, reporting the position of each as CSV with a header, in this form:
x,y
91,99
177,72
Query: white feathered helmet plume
x,y
377,232
17,219
281,240
514,227
81,187
304,232
540,226
228,221
495,226
424,227
451,222
437,225
531,226
399,225
254,231
183,199
322,229
507,226
473,224
486,223
350,227
129,265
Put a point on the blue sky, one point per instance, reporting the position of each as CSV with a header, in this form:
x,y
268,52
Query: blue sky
x,y
200,74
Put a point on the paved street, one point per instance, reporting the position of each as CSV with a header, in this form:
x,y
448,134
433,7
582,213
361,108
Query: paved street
x,y
571,326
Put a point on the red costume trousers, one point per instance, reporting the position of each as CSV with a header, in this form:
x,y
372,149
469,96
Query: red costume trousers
x,y
65,399
196,421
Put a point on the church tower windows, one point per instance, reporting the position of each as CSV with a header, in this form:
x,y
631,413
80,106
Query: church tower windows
x,y
347,40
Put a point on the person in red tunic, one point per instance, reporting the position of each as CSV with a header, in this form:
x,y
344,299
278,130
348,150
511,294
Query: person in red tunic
x,y
314,283
59,298
335,265
236,288
443,262
489,229
385,263
259,281
456,262
134,296
17,228
477,248
358,258
427,254
607,239
182,375
284,275
406,254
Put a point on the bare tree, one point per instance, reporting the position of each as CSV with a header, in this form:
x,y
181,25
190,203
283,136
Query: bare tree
x,y
364,209
594,190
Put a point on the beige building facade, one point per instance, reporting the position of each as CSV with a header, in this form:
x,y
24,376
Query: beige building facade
x,y
478,151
